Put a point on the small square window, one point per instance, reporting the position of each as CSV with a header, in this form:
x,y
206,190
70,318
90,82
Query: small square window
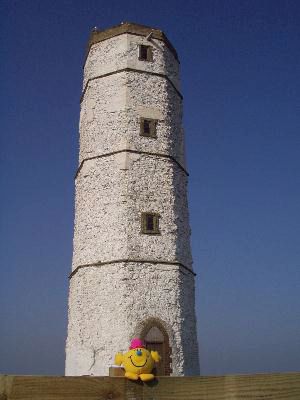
x,y
145,53
150,223
148,127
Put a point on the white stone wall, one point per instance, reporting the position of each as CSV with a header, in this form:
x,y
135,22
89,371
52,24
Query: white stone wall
x,y
111,299
111,110
122,52
109,203
108,304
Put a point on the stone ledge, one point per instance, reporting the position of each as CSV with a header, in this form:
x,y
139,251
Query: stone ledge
x,y
100,264
140,71
162,155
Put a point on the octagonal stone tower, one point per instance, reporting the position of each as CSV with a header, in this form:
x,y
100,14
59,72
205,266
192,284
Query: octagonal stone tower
x,y
132,268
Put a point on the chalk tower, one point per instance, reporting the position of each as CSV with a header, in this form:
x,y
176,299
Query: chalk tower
x,y
132,267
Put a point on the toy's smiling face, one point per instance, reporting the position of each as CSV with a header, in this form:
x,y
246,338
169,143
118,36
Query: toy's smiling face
x,y
138,360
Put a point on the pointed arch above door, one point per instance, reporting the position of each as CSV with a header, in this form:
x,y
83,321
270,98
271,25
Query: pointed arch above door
x,y
156,338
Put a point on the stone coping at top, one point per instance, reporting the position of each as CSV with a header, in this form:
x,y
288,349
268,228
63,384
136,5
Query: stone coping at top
x,y
98,35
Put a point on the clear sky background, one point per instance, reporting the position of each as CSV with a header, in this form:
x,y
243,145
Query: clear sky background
x,y
240,69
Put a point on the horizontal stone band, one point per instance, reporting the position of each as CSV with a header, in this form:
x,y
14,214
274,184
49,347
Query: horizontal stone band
x,y
135,152
100,264
130,70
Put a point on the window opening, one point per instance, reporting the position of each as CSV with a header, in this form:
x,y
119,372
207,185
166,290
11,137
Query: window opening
x,y
148,127
145,53
150,223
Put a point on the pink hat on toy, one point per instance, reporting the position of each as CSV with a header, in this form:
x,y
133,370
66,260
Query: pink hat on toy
x,y
136,343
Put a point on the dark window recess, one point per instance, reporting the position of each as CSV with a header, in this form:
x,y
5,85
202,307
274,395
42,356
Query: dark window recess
x,y
148,127
145,53
150,223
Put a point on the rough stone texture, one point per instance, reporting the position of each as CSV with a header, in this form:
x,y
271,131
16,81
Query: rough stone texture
x,y
131,28
112,122
123,51
108,304
144,277
109,203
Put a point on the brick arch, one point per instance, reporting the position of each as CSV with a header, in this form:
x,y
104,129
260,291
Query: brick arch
x,y
155,336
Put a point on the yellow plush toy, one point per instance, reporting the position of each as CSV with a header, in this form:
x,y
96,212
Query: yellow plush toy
x,y
138,362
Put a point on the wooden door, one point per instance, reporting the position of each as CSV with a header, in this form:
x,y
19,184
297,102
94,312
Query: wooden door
x,y
157,340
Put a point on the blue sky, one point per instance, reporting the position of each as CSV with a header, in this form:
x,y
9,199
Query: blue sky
x,y
241,82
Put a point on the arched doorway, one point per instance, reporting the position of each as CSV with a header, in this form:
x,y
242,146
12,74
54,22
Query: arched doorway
x,y
156,338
